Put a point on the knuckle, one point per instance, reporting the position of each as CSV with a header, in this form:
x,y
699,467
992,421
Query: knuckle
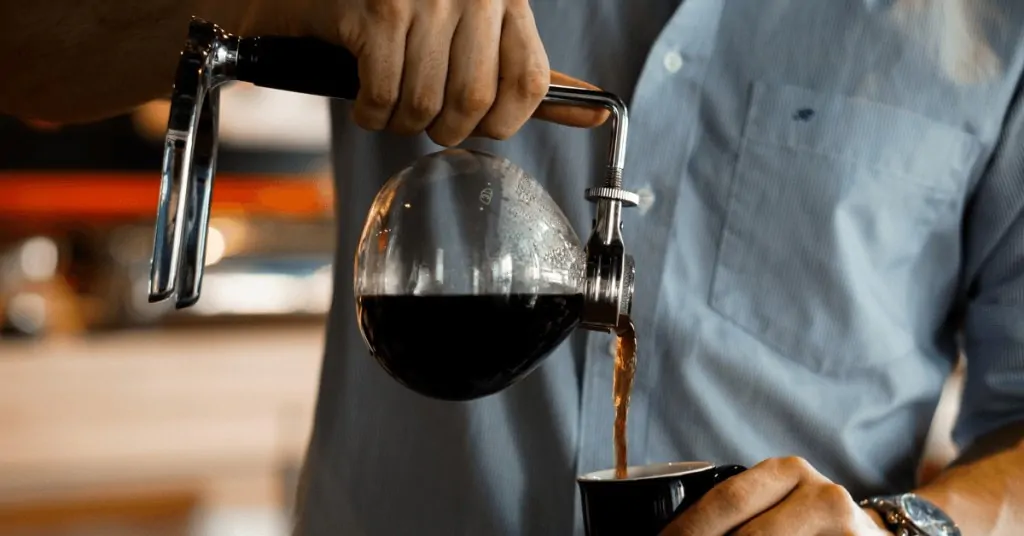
x,y
381,97
424,105
387,11
795,464
475,99
533,84
837,500
834,493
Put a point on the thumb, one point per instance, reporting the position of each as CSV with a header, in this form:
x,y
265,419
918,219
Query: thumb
x,y
569,114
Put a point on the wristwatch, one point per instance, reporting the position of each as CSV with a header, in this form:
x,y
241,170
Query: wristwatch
x,y
911,515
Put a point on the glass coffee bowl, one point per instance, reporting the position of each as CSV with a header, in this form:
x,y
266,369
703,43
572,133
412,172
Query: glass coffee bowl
x,y
467,273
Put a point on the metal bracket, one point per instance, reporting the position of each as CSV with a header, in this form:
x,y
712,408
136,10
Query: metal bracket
x,y
610,271
189,166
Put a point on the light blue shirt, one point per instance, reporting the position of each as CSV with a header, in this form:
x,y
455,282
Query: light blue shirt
x,y
830,190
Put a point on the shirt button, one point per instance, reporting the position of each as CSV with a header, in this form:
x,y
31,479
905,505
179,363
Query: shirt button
x,y
673,62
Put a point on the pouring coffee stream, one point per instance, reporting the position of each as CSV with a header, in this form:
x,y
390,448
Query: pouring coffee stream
x,y
458,240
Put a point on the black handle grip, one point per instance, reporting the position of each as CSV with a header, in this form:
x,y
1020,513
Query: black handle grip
x,y
299,64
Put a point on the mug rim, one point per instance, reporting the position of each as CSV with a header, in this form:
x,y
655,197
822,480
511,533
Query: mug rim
x,y
652,471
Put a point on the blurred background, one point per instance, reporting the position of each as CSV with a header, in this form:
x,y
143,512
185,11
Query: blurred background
x,y
118,417
121,418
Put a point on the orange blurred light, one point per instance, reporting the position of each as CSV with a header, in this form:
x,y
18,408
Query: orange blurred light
x,y
105,195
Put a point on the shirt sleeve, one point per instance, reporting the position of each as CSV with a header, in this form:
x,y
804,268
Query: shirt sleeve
x,y
993,278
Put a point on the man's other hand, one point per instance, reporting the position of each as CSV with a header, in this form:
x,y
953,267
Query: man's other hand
x,y
777,497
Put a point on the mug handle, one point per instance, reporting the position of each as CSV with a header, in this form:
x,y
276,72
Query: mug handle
x,y
720,474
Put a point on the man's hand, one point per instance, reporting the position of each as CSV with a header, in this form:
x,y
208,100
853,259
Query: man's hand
x,y
777,497
436,65
452,68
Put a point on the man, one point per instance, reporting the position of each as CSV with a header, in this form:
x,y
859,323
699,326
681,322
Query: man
x,y
831,190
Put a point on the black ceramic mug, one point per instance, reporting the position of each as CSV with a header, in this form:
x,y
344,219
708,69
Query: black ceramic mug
x,y
648,499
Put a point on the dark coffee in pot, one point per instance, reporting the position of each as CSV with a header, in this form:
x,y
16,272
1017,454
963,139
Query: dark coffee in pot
x,y
489,342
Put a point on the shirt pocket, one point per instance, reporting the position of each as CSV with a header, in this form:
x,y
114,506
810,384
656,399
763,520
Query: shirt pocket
x,y
834,205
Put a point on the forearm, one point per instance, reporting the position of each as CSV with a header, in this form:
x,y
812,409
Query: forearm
x,y
79,60
984,490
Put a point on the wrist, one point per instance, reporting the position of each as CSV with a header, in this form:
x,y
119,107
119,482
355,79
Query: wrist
x,y
876,518
936,496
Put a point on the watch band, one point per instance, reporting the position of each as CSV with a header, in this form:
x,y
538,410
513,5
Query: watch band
x,y
892,515
911,515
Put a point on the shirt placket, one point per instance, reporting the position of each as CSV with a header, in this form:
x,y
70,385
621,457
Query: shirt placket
x,y
664,107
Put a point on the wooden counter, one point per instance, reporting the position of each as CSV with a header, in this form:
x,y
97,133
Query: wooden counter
x,y
222,412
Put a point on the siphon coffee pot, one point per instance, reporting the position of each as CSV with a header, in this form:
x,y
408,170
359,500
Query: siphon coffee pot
x,y
467,273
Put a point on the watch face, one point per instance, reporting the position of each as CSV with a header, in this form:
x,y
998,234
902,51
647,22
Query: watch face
x,y
927,517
